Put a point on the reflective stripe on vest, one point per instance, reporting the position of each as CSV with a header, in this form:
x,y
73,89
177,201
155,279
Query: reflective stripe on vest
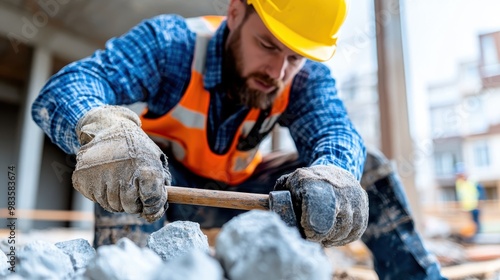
x,y
183,130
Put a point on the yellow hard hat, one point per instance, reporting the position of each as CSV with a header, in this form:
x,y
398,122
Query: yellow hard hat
x,y
308,27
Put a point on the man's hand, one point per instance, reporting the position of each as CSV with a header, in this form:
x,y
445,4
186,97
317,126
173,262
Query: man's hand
x,y
118,165
329,202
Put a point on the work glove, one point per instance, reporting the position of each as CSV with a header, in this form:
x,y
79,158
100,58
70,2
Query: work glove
x,y
331,206
118,165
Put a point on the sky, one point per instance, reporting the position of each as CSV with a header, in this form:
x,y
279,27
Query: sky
x,y
356,44
439,30
446,31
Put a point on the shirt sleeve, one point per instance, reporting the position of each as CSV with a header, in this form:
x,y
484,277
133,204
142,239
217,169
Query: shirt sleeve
x,y
130,69
319,124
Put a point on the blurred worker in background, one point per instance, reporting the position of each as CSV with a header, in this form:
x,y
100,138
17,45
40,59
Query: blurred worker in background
x,y
469,194
214,88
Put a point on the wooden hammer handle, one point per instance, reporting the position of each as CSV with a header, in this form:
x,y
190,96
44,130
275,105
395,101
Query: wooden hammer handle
x,y
222,199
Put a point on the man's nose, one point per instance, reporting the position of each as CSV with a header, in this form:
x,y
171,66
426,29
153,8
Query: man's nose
x,y
277,66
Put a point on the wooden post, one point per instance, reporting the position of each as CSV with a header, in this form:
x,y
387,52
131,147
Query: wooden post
x,y
396,142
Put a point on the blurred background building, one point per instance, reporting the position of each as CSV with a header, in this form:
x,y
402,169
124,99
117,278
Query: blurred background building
x,y
418,81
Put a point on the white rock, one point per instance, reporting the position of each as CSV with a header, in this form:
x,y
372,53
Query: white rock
x,y
79,251
259,245
43,260
122,261
191,266
177,239
4,265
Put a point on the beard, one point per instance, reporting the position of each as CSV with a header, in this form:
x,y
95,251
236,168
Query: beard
x,y
237,84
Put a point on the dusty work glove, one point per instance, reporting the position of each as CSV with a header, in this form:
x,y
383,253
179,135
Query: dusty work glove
x,y
118,165
331,206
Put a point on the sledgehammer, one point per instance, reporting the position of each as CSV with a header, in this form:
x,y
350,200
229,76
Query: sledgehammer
x,y
279,202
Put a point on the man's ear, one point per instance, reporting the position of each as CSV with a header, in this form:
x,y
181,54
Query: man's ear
x,y
235,13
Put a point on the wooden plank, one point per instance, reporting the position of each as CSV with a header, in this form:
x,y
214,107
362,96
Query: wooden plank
x,y
49,215
471,269
478,269
483,253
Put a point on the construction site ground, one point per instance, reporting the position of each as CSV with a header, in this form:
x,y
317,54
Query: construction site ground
x,y
479,259
350,262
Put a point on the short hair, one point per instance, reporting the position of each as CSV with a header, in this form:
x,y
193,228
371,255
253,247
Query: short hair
x,y
249,9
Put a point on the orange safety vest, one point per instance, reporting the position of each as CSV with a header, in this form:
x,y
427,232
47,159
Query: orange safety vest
x,y
183,130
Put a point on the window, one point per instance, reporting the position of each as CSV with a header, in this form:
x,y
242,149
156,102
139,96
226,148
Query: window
x,y
445,163
474,115
481,154
490,56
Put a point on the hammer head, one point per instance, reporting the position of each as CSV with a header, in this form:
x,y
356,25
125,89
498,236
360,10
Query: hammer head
x,y
280,202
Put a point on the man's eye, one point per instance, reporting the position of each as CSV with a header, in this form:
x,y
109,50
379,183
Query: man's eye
x,y
267,47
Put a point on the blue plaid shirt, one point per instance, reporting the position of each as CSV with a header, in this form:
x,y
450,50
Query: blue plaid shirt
x,y
152,63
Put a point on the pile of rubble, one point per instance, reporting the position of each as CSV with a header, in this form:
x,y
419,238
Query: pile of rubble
x,y
254,245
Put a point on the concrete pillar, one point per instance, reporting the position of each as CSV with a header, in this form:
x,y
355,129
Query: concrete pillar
x,y
396,141
31,138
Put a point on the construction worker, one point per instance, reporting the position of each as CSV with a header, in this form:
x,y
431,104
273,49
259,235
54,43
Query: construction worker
x,y
214,88
469,194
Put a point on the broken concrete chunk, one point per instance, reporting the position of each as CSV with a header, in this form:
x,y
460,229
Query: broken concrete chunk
x,y
15,276
5,246
124,260
258,245
176,239
79,251
4,265
191,266
43,260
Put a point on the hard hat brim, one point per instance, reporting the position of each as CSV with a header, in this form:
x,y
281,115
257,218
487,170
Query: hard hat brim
x,y
297,43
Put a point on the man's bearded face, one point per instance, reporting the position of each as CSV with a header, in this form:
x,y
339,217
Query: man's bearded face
x,y
239,85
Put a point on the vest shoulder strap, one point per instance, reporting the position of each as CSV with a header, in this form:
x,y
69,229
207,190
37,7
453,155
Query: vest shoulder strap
x,y
204,28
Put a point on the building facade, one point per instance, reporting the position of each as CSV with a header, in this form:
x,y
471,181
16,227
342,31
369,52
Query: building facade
x,y
465,122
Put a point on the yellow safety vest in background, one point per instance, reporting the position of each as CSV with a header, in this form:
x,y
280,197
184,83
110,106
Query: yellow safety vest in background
x,y
183,130
468,195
